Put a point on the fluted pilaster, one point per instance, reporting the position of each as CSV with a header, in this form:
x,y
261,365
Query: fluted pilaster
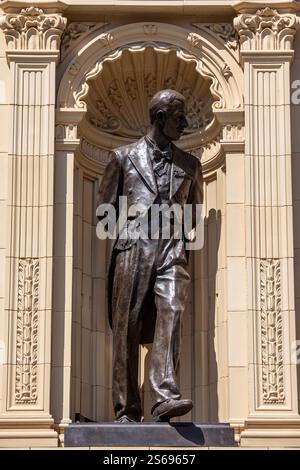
x,y
266,39
33,39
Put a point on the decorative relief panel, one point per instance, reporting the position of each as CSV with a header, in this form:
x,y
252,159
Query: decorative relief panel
x,y
73,33
32,29
266,30
271,332
225,31
27,331
234,132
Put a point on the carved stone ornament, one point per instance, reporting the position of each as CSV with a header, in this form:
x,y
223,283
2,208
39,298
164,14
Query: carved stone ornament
x,y
66,132
225,71
150,29
93,152
266,30
195,40
27,332
211,155
73,32
117,102
225,31
74,68
233,133
106,40
271,332
32,29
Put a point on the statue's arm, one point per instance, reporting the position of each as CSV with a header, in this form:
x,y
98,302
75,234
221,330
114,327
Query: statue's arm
x,y
110,187
196,192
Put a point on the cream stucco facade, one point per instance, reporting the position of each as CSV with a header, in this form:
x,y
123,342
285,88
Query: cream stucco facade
x,y
75,79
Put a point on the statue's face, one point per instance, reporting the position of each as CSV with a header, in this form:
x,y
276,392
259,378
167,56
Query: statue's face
x,y
174,122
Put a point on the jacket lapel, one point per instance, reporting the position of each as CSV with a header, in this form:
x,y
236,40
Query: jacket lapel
x,y
140,158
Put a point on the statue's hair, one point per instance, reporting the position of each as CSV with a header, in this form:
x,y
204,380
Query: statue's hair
x,y
164,100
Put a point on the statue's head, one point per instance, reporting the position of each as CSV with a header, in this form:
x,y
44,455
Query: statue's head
x,y
167,113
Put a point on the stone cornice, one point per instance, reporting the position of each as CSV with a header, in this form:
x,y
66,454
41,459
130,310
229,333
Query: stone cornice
x,y
33,29
207,6
266,29
252,5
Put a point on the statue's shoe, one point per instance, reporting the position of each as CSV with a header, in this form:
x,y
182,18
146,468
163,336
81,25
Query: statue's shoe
x,y
171,408
125,420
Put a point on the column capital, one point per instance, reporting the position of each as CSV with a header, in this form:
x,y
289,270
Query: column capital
x,y
66,130
33,29
266,30
233,137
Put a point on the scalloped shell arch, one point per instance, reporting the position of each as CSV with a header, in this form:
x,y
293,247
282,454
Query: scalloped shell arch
x,y
117,101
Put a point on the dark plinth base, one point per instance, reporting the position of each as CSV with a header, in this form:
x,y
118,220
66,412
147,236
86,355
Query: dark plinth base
x,y
148,434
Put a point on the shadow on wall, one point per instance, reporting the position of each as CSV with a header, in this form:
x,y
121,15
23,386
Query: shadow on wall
x,y
212,242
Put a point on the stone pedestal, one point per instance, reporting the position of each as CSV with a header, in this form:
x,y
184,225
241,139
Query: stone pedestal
x,y
148,434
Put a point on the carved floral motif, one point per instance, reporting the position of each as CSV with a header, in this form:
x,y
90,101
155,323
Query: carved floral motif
x,y
114,94
73,32
197,118
104,119
225,31
32,29
26,390
271,332
131,88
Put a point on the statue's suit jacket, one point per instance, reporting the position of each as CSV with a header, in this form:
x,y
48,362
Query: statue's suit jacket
x,y
130,173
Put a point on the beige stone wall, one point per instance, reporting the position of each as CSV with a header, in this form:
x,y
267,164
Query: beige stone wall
x,y
239,325
91,335
210,361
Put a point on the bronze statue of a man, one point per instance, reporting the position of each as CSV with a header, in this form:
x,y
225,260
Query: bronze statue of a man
x,y
148,277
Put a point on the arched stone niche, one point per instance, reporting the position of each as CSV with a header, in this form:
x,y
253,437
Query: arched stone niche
x,y
104,82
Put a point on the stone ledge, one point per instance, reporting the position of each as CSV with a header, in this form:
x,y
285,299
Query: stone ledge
x,y
148,435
